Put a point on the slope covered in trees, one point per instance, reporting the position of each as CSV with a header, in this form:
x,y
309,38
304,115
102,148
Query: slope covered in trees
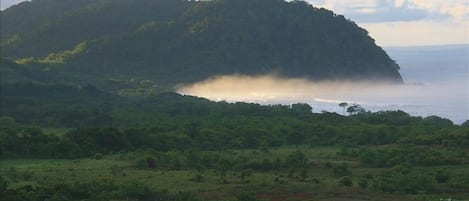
x,y
94,145
178,41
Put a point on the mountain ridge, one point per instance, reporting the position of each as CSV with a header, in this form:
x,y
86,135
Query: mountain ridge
x,y
171,42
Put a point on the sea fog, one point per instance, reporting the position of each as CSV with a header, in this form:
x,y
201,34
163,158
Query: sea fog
x,y
436,83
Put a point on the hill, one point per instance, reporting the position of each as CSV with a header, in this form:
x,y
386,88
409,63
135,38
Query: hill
x,y
87,144
174,41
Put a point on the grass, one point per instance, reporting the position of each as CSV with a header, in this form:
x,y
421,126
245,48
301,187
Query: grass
x,y
271,185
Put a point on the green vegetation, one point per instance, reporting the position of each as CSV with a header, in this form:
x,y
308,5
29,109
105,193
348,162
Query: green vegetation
x,y
95,145
88,113
170,42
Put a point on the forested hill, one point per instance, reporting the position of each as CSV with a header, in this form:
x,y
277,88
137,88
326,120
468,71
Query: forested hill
x,y
180,41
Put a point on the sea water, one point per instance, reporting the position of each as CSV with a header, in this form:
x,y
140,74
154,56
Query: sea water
x,y
436,83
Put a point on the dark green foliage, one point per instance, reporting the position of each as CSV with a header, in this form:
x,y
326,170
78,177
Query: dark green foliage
x,y
355,109
244,175
147,161
363,182
98,156
454,137
465,124
27,142
213,143
136,191
3,186
247,197
302,108
106,43
77,191
297,159
304,174
402,168
56,105
187,196
170,121
412,156
198,177
460,180
410,183
340,170
98,190
442,176
151,162
346,181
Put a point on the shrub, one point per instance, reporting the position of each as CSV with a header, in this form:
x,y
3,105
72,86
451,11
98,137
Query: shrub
x,y
198,177
404,183
134,190
246,197
151,162
146,162
98,156
441,176
460,181
363,182
346,181
341,170
3,185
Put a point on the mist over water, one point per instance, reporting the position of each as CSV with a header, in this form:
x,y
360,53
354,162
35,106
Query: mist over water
x,y
436,83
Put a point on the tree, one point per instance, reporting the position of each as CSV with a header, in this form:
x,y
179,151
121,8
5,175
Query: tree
x,y
355,109
343,105
302,108
465,124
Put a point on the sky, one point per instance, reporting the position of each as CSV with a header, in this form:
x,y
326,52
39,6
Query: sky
x,y
398,22
407,22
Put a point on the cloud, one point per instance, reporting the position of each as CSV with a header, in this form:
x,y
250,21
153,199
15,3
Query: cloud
x,y
396,10
418,33
391,11
407,22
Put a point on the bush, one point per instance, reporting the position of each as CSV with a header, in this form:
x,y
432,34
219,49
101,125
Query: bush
x,y
134,190
346,181
409,183
363,182
402,168
246,197
341,170
146,162
460,181
296,159
151,162
198,177
3,185
441,176
98,156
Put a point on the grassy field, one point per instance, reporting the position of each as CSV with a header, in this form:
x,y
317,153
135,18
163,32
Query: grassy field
x,y
315,182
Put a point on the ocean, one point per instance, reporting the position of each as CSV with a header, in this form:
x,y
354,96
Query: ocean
x,y
436,83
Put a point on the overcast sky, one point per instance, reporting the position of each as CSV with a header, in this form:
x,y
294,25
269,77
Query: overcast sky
x,y
398,22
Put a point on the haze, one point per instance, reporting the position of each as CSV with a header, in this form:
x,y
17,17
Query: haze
x,y
436,84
